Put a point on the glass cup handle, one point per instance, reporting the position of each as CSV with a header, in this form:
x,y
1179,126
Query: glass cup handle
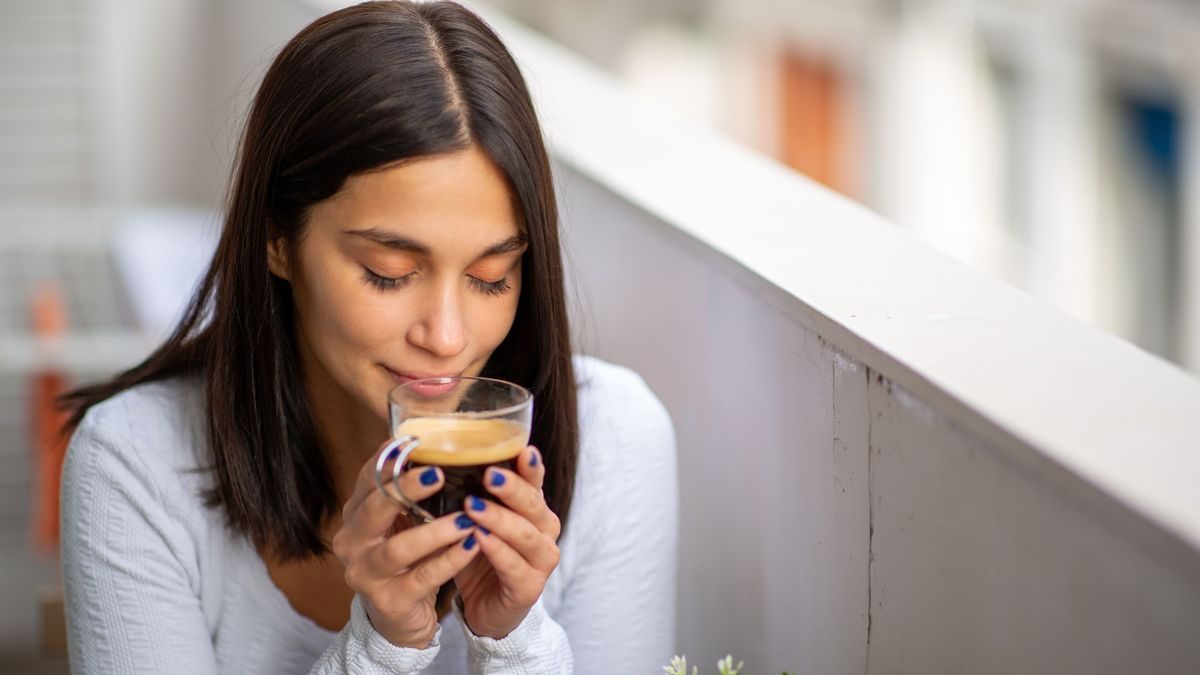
x,y
406,445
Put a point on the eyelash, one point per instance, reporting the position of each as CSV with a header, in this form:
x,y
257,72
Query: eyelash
x,y
389,284
492,287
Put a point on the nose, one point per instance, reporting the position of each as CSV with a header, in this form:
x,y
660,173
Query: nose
x,y
440,328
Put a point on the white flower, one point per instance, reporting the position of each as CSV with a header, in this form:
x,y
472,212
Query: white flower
x,y
679,667
725,666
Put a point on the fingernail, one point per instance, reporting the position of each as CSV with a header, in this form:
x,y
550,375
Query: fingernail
x,y
464,522
533,458
469,542
484,530
497,479
393,454
476,503
429,476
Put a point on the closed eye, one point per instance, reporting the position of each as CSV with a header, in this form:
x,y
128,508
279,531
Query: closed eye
x,y
499,287
491,287
387,283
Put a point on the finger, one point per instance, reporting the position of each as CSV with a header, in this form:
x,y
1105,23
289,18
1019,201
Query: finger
x,y
429,576
523,582
535,546
405,550
377,512
531,467
522,497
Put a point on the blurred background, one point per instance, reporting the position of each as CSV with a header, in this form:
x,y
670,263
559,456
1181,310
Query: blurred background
x,y
1050,143
1042,141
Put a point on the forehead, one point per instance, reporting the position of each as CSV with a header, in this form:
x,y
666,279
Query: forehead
x,y
443,200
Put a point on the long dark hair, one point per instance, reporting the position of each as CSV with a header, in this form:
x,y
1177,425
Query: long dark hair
x,y
358,89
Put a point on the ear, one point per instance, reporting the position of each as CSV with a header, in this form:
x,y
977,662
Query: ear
x,y
277,260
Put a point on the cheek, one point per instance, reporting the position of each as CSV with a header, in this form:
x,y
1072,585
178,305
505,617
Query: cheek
x,y
344,316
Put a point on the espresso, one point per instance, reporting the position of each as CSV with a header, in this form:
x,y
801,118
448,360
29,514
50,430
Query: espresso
x,y
464,449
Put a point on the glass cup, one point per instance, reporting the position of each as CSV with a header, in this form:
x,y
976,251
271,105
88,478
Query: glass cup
x,y
462,425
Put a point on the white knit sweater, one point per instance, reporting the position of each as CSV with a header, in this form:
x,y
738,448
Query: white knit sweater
x,y
156,583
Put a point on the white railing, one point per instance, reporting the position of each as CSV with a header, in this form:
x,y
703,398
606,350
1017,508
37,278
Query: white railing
x,y
889,461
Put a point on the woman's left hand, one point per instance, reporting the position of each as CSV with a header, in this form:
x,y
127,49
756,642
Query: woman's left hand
x,y
519,542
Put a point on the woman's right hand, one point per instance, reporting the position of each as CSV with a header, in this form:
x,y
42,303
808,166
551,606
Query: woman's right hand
x,y
397,569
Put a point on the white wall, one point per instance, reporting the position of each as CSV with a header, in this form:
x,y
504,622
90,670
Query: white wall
x,y
889,462
148,62
820,497
771,429
174,79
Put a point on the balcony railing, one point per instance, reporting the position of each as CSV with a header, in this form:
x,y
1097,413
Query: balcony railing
x,y
889,462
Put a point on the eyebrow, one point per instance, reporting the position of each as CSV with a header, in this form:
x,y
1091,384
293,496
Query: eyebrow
x,y
401,243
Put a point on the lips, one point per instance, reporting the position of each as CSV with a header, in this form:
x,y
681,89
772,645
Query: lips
x,y
431,388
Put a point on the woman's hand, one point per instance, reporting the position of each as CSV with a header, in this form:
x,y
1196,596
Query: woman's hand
x,y
519,543
396,568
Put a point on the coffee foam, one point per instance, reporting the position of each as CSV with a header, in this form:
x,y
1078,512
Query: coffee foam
x,y
463,442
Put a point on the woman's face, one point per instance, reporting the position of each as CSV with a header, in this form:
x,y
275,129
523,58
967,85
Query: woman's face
x,y
407,272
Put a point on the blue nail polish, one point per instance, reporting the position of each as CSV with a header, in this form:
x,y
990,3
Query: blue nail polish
x,y
429,476
477,504
464,522
469,542
393,454
497,479
484,530
533,458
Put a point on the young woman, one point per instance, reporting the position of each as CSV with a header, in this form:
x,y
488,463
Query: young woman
x,y
392,217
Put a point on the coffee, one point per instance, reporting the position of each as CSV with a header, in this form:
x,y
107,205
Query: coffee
x,y
464,449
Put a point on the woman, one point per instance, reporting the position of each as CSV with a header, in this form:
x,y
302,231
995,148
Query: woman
x,y
392,216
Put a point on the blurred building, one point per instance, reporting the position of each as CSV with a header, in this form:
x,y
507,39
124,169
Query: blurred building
x,y
1044,141
117,128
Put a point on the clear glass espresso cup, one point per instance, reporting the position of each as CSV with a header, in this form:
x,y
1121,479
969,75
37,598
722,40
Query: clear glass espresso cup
x,y
462,425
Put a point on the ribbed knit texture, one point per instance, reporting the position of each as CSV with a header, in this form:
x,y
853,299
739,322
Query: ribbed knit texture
x,y
156,583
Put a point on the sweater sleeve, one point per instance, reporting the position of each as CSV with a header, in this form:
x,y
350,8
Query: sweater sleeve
x,y
131,575
358,648
538,646
619,605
